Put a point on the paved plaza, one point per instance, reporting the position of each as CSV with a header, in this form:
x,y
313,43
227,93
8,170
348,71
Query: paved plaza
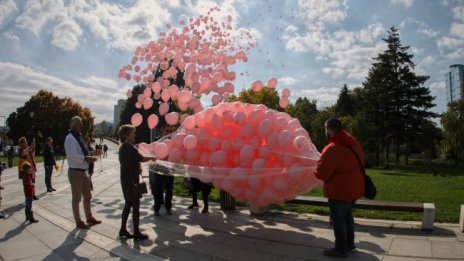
x,y
191,235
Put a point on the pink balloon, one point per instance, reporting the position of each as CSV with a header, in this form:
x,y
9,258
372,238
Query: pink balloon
x,y
216,99
147,93
219,158
165,96
152,121
136,119
172,118
184,96
272,83
286,92
173,90
283,102
156,87
175,155
147,103
257,86
265,128
300,143
163,108
161,150
190,142
246,153
189,122
284,138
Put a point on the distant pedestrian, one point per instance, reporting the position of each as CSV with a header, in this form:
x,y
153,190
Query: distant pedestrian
x,y
343,180
79,157
105,151
49,164
29,191
131,170
26,154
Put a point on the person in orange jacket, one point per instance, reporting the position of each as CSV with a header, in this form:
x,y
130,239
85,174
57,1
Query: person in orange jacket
x,y
343,184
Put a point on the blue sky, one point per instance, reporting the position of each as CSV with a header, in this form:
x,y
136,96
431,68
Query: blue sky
x,y
75,47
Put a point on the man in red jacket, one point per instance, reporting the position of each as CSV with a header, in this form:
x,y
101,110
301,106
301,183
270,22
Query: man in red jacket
x,y
343,184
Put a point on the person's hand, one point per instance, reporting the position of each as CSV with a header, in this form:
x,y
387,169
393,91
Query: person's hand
x,y
90,158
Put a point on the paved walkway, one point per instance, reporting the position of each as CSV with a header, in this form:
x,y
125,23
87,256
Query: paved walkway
x,y
190,235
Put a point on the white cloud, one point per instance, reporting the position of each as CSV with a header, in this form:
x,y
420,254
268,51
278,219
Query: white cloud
x,y
440,86
287,80
11,36
422,27
353,63
66,35
458,13
20,82
38,13
318,14
406,3
325,96
457,30
291,29
7,7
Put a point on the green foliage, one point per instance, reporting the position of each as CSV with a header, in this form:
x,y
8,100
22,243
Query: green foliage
x,y
453,124
304,110
266,96
46,115
395,101
344,105
318,136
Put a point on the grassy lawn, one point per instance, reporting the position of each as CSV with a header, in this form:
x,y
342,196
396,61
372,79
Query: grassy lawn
x,y
3,159
407,184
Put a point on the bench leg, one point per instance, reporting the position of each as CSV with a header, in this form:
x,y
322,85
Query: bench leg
x,y
428,216
461,219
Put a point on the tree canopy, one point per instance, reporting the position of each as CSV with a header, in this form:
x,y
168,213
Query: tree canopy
x,y
46,115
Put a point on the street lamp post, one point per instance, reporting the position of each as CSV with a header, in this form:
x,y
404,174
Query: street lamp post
x,y
457,137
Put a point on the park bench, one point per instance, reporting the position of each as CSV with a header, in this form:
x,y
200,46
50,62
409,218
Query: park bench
x,y
427,209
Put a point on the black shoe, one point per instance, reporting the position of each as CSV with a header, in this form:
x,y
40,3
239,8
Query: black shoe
x,y
157,213
194,205
2,216
140,236
35,198
1,187
205,210
168,211
125,234
334,253
49,190
32,220
53,189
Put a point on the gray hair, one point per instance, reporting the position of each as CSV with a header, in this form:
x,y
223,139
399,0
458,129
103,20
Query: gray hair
x,y
74,120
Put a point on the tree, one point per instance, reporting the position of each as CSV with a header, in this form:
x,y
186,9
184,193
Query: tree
x,y
266,96
344,105
304,110
143,132
317,134
396,101
46,115
453,130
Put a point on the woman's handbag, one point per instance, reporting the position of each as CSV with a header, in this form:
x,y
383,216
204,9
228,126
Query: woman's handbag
x,y
141,187
369,188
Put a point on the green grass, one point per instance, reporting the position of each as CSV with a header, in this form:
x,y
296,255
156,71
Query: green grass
x,y
404,184
16,159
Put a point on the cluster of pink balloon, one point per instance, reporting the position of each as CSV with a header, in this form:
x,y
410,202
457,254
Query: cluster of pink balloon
x,y
256,154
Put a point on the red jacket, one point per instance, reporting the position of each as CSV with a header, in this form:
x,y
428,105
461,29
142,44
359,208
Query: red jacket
x,y
340,170
29,187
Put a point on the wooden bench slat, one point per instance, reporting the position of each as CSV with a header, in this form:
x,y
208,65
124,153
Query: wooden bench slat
x,y
363,204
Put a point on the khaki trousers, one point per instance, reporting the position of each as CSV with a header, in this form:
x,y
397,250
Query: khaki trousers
x,y
80,187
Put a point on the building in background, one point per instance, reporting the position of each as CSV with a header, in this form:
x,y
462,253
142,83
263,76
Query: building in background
x,y
455,83
117,112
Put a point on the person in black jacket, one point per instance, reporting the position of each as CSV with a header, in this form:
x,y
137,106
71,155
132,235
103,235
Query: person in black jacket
x,y
131,170
49,163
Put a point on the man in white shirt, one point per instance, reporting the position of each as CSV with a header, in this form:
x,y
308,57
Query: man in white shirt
x,y
79,157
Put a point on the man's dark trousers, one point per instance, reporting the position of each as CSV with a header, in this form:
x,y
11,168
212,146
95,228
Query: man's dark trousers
x,y
343,223
160,184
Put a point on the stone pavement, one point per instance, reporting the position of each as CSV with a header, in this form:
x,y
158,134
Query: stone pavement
x,y
191,235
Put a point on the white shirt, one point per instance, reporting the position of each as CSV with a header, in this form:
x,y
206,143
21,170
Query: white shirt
x,y
74,153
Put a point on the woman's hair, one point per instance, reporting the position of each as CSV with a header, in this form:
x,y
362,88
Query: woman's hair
x,y
125,131
49,139
22,139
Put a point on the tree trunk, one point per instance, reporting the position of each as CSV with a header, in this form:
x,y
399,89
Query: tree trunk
x,y
397,156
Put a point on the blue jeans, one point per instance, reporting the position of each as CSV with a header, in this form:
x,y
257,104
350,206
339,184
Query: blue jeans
x,y
343,223
28,208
